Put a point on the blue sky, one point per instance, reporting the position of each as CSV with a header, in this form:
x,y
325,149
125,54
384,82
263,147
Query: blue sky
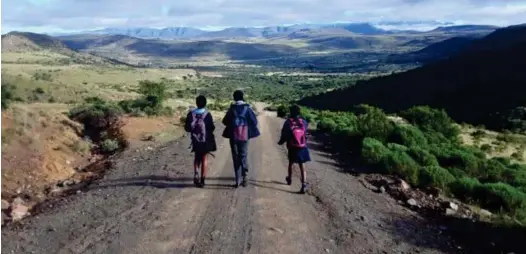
x,y
78,15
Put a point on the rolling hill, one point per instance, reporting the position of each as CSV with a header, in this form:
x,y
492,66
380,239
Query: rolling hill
x,y
23,47
476,86
30,42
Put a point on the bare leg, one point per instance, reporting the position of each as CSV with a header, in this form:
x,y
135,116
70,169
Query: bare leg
x,y
303,173
204,166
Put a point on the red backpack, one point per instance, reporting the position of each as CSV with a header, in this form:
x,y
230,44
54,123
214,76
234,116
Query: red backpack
x,y
298,130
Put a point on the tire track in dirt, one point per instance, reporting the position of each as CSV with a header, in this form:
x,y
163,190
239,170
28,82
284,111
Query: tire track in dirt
x,y
288,222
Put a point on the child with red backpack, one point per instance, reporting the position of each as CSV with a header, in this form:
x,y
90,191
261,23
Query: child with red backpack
x,y
294,134
201,126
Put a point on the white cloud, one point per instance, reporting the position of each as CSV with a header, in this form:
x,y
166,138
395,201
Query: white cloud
x,y
62,15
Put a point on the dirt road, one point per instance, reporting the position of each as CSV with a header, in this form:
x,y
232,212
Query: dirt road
x,y
147,204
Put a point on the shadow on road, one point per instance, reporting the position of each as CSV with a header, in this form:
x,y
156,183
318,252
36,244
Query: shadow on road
x,y
158,181
268,185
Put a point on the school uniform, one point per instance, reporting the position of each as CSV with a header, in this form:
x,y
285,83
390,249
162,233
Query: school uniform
x,y
239,149
210,145
295,154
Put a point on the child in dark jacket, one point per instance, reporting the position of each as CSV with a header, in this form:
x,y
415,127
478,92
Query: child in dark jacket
x,y
201,126
294,134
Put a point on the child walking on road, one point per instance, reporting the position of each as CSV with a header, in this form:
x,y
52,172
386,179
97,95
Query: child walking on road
x,y
201,126
294,134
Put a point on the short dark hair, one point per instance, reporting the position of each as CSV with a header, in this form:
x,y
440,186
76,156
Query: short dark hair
x,y
295,111
200,101
238,95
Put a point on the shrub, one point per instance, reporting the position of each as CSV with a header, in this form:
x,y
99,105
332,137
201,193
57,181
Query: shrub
x,y
497,196
375,124
408,136
373,152
283,111
39,90
450,156
153,90
436,176
464,188
486,148
327,125
433,120
101,121
491,171
518,156
7,95
423,157
109,146
401,164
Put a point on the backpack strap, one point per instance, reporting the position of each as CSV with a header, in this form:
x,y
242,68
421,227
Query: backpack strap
x,y
234,111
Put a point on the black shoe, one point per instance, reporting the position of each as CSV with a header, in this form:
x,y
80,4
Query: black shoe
x,y
244,182
196,179
202,184
288,180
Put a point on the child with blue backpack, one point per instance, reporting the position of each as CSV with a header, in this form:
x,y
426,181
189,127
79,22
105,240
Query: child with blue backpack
x,y
241,126
294,134
200,124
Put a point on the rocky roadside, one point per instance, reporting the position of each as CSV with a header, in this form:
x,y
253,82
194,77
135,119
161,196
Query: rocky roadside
x,y
478,230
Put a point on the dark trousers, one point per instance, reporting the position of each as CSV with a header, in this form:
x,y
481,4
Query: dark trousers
x,y
239,156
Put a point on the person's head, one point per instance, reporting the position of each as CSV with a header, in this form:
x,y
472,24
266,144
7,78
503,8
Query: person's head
x,y
295,111
200,101
238,95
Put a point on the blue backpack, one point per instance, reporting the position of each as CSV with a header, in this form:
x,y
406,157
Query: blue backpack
x,y
240,125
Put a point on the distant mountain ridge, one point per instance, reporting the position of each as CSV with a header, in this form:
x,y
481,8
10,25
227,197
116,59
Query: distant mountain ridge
x,y
270,31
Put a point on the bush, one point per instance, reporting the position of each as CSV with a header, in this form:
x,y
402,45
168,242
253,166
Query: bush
x,y
450,156
375,124
432,120
397,147
101,120
435,176
408,136
478,134
109,146
497,196
7,95
373,152
39,90
423,157
464,188
401,164
283,111
486,148
153,90
518,156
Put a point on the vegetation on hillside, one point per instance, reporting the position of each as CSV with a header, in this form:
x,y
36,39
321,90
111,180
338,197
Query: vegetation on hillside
x,y
427,153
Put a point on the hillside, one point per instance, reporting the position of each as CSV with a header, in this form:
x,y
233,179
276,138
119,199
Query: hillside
x,y
436,51
478,87
30,48
30,42
466,28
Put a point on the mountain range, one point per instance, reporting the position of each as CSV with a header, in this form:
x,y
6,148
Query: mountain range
x,y
171,33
